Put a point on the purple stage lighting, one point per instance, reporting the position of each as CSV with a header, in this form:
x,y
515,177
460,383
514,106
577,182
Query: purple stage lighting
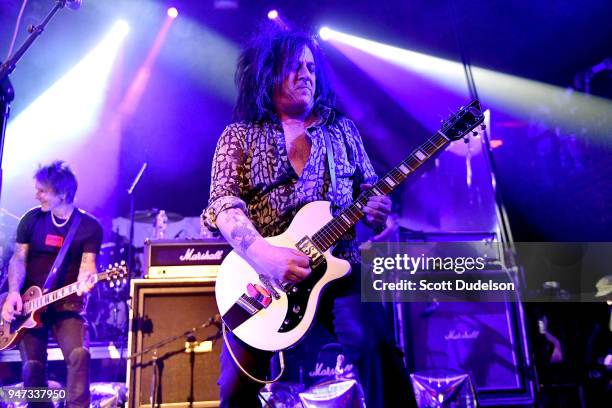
x,y
272,14
325,33
172,12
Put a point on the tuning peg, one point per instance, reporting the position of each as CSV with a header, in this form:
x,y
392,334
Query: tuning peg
x,y
475,133
483,126
466,140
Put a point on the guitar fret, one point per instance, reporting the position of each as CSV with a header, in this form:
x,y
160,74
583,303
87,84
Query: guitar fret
x,y
405,170
443,135
420,155
390,180
385,188
398,176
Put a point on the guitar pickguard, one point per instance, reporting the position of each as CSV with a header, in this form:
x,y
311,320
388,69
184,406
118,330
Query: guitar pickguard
x,y
298,295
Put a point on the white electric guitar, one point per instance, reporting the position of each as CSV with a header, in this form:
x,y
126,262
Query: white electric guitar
x,y
273,315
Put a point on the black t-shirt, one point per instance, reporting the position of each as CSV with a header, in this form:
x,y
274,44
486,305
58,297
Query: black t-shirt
x,y
44,241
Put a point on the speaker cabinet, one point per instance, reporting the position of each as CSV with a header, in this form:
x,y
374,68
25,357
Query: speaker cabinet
x,y
162,309
484,340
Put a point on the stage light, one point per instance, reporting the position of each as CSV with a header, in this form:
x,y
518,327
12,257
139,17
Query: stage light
x,y
272,14
172,12
61,121
120,29
325,33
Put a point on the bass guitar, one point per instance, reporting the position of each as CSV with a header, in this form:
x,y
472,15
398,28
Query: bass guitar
x,y
273,315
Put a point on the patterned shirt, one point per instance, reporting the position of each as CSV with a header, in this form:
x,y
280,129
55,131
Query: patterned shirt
x,y
251,171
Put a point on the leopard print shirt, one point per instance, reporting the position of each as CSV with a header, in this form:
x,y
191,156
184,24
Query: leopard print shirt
x,y
251,171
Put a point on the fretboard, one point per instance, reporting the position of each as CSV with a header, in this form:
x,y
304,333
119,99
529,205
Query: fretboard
x,y
347,218
56,295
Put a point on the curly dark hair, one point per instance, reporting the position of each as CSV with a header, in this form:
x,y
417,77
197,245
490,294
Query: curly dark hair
x,y
264,63
59,176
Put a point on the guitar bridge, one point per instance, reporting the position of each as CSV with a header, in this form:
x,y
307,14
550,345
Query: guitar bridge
x,y
266,282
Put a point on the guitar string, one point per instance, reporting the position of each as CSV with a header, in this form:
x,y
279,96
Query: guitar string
x,y
326,234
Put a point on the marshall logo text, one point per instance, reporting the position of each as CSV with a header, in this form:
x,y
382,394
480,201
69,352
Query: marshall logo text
x,y
191,255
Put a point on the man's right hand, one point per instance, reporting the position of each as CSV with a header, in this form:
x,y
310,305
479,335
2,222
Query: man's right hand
x,y
12,305
284,264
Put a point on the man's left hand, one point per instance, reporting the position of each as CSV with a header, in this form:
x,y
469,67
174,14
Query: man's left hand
x,y
85,282
376,210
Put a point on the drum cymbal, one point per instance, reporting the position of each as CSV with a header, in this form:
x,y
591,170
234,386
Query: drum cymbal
x,y
148,216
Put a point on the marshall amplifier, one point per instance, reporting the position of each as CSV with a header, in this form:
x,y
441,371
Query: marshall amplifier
x,y
162,310
194,258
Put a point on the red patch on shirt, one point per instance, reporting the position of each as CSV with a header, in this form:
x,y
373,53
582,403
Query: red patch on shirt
x,y
54,240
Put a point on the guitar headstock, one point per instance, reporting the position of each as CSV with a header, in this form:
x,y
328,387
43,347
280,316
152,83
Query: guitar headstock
x,y
464,121
116,272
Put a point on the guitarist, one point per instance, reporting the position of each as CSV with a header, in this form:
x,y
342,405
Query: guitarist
x,y
267,165
40,235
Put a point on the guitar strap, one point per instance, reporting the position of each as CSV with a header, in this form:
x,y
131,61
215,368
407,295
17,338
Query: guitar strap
x,y
330,163
63,250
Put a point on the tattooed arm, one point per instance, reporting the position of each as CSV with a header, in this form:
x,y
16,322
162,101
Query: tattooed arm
x,y
87,271
227,212
238,230
17,267
286,264
16,276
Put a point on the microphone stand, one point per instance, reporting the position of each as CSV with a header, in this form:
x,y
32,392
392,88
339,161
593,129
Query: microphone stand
x,y
191,340
7,93
130,192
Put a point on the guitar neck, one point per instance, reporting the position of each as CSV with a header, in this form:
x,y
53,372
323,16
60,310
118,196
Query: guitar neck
x,y
56,295
347,218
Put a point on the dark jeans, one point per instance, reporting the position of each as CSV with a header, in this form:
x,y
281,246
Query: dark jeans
x,y
70,330
364,331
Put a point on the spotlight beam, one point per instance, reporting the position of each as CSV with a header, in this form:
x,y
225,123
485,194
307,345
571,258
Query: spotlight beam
x,y
62,120
519,96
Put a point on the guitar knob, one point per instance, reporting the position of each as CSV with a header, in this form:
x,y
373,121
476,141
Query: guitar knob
x,y
483,127
296,309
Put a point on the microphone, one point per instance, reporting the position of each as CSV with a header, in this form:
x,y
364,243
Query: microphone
x,y
73,4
